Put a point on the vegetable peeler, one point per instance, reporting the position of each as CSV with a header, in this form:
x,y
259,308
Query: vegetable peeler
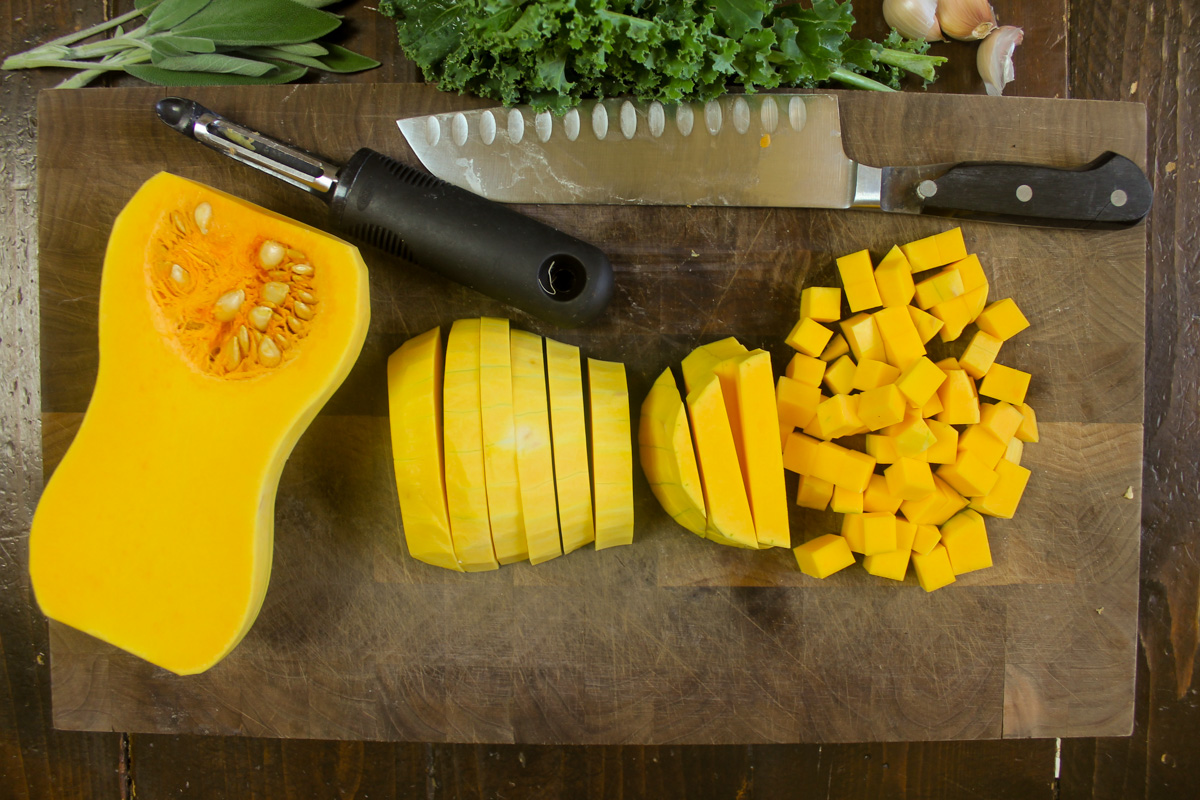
x,y
411,214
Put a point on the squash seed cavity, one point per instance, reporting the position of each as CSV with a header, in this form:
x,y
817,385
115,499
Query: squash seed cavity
x,y
233,304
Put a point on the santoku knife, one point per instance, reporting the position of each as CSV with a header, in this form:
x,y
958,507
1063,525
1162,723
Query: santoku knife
x,y
749,150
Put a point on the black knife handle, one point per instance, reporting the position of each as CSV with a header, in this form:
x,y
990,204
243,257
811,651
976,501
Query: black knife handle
x,y
1110,192
471,240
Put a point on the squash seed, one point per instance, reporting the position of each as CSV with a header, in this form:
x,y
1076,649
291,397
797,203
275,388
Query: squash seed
x,y
307,297
243,336
302,269
203,215
282,341
180,276
271,253
178,222
228,305
268,353
295,325
274,292
260,317
303,310
233,354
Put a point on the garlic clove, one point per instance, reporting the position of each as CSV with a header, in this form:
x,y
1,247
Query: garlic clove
x,y
966,20
994,58
913,19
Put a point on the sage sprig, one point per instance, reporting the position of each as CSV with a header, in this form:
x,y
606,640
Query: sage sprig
x,y
202,42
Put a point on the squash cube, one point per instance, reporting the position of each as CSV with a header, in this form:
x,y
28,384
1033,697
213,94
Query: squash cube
x,y
809,337
927,324
1001,419
945,449
894,565
796,402
973,276
814,493
960,403
858,279
852,531
871,374
836,348
821,303
893,277
1006,494
937,507
912,436
1002,319
842,466
932,408
862,336
839,376
982,443
959,312
845,501
933,568
920,380
878,497
909,479
799,452
935,251
1005,383
926,537
969,475
902,343
939,288
965,538
879,533
837,417
1028,430
879,408
1015,451
823,556
882,448
980,354
805,369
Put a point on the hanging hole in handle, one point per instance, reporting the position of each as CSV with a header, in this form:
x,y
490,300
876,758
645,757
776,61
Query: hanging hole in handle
x,y
562,277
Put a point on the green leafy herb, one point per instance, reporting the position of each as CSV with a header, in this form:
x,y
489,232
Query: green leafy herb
x,y
552,54
202,42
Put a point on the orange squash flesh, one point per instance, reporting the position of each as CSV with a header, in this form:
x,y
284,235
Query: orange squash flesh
x,y
155,531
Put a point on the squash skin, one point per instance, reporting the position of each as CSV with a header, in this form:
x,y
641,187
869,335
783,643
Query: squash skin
x,y
155,532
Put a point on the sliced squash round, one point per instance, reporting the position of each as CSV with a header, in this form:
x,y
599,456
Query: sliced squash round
x,y
223,330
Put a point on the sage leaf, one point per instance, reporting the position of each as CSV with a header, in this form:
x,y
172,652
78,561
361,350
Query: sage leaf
x,y
184,44
170,13
215,62
250,23
169,77
342,60
316,3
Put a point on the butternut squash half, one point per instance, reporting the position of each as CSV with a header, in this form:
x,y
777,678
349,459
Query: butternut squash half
x,y
224,328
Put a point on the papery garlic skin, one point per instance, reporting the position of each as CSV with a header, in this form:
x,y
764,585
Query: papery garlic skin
x,y
966,20
913,19
994,58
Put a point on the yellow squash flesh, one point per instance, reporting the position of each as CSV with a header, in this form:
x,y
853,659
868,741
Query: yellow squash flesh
x,y
155,531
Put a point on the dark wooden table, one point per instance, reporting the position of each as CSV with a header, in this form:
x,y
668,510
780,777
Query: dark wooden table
x,y
1119,51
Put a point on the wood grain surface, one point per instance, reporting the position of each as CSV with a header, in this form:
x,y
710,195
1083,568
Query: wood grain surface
x,y
1118,50
674,640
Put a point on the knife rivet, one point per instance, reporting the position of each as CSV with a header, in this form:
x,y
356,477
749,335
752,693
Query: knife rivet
x,y
1119,198
769,113
656,119
741,115
628,118
926,189
712,117
1024,193
797,113
458,129
544,126
487,127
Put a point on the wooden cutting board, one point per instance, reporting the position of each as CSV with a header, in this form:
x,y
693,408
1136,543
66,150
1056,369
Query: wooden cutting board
x,y
672,639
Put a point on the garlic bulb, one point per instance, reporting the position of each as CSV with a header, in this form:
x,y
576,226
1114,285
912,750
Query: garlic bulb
x,y
914,19
966,20
994,58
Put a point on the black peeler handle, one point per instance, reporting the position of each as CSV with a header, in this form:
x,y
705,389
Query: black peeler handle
x,y
387,204
474,241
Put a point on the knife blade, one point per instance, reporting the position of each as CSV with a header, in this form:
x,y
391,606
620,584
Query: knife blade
x,y
390,205
749,150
